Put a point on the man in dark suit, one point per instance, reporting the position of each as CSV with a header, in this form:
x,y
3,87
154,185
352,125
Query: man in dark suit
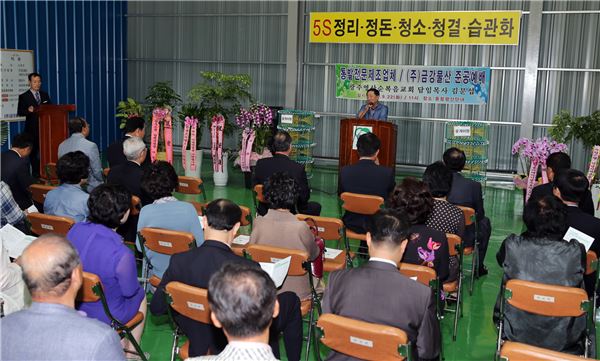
x,y
15,169
554,164
466,192
570,185
134,127
28,105
378,293
365,177
195,267
281,147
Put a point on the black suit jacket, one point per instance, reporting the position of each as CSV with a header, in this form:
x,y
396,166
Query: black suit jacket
x,y
365,177
31,119
378,293
115,156
586,204
129,175
467,192
16,174
589,225
195,268
281,163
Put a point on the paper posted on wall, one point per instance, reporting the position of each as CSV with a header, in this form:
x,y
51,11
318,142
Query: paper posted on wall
x,y
14,240
580,237
277,270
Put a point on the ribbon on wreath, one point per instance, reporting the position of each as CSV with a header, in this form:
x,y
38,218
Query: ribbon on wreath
x,y
189,133
248,136
168,126
531,180
158,114
216,134
593,163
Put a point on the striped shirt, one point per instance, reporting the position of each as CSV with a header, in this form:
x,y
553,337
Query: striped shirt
x,y
239,350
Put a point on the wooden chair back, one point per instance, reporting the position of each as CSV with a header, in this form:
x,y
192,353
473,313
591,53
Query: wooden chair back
x,y
45,223
135,206
166,241
199,207
546,300
424,274
361,203
515,351
189,185
246,216
363,340
51,175
329,228
591,263
86,292
469,214
189,301
39,191
271,254
454,244
105,172
258,193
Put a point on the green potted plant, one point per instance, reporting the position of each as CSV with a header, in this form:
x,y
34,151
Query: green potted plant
x,y
190,116
128,108
162,100
223,94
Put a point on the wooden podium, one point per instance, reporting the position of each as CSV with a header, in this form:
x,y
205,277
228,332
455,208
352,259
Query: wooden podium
x,y
353,128
53,120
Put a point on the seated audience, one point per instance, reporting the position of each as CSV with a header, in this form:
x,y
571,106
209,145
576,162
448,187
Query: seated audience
x,y
243,303
103,253
69,200
377,292
281,147
426,246
10,212
365,177
13,292
541,255
195,268
15,170
280,228
134,127
159,181
554,164
569,186
466,192
80,130
51,329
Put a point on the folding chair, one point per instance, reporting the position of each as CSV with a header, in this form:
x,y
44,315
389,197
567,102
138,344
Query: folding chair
x,y
470,219
299,266
91,291
592,268
245,220
191,185
44,223
362,204
162,241
51,176
455,250
364,340
39,191
331,229
515,351
188,301
546,300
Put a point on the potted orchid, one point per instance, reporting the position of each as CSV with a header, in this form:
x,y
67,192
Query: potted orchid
x,y
190,116
162,99
532,155
256,124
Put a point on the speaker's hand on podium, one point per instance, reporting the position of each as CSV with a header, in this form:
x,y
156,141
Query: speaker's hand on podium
x,y
31,109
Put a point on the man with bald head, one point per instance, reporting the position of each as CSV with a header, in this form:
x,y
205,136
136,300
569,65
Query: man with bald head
x,y
51,329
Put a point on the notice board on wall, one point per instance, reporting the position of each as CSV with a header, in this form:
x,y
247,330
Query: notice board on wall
x,y
15,65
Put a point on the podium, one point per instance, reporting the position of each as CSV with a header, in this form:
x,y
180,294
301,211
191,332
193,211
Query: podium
x,y
53,120
351,129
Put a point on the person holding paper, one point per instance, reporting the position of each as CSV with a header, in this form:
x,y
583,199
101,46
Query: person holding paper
x,y
280,228
242,293
221,222
12,288
541,255
377,292
570,186
28,105
373,109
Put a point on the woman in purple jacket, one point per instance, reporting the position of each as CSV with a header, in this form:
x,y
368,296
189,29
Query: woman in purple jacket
x,y
103,253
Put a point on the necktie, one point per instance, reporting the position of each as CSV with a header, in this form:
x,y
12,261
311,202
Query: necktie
x,y
37,97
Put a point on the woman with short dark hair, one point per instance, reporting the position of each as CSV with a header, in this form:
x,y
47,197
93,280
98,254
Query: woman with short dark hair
x,y
159,181
541,255
426,246
280,228
103,253
69,199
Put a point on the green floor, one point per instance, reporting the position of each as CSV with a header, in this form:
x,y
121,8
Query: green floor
x,y
476,333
